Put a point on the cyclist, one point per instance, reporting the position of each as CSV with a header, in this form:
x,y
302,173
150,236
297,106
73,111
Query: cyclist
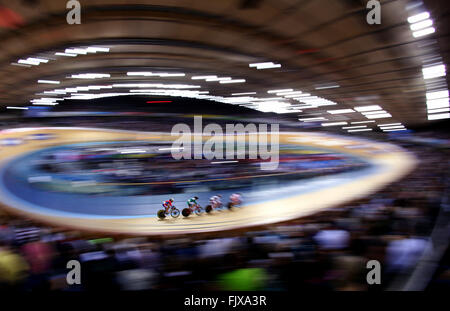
x,y
192,202
236,199
215,201
167,205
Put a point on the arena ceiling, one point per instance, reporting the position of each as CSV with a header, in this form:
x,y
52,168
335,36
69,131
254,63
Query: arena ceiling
x,y
324,49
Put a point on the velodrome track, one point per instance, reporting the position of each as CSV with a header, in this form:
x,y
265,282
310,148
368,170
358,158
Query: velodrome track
x,y
388,163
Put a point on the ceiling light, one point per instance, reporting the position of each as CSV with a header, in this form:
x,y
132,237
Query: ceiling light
x,y
246,93
423,32
421,25
49,81
334,123
438,94
389,124
354,127
360,130
65,54
232,81
379,116
433,72
313,119
439,110
20,108
418,17
368,108
324,87
280,91
439,116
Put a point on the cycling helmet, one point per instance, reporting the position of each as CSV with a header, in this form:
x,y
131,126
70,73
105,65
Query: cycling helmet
x,y
171,200
196,198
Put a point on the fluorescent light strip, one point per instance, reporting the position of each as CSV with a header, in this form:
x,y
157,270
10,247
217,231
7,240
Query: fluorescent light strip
x,y
49,81
437,103
334,123
438,110
418,17
389,124
438,116
20,108
232,81
354,127
433,72
247,93
368,108
327,87
396,130
423,32
313,119
280,91
420,25
66,54
438,94
392,127
360,130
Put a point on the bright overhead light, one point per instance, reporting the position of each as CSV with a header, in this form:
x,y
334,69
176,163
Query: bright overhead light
x,y
368,108
360,130
388,124
437,103
266,65
66,54
362,122
32,61
232,81
246,93
439,116
354,127
433,72
48,82
324,87
395,130
334,123
438,94
217,79
418,17
439,110
76,51
392,127
421,25
202,77
91,76
93,49
19,108
339,111
156,74
296,93
280,91
313,119
423,32
378,116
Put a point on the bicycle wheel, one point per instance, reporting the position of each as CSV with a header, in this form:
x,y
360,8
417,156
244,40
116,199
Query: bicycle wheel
x,y
186,212
208,209
161,214
175,212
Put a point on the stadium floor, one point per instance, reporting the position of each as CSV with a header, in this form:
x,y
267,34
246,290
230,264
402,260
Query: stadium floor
x,y
136,215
